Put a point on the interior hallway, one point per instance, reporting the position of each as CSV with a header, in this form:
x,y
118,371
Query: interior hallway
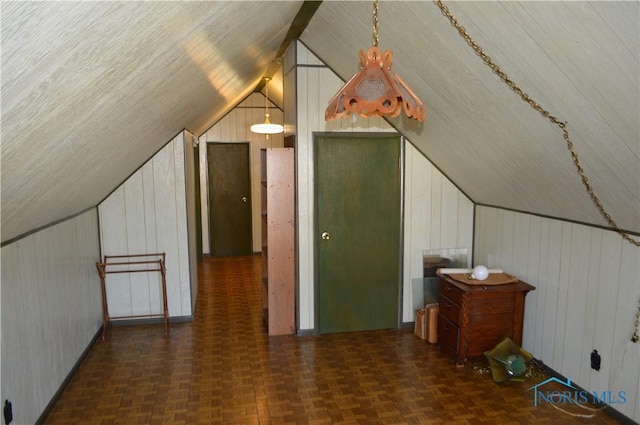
x,y
223,369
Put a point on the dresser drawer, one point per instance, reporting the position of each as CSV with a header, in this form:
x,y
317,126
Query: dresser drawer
x,y
451,291
448,335
487,304
484,332
450,309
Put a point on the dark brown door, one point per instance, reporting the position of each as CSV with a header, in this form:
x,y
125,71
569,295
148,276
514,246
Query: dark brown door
x,y
229,199
357,231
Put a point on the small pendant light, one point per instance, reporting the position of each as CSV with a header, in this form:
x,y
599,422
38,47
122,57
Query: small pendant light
x,y
267,127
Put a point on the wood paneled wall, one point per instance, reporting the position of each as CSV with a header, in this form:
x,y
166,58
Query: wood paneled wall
x,y
148,214
235,128
51,310
587,294
438,217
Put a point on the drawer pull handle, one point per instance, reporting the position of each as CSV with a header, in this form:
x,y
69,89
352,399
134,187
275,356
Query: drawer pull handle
x,y
448,306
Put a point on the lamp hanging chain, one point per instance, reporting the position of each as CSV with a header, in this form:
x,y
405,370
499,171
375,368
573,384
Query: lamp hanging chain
x,y
266,98
375,23
524,96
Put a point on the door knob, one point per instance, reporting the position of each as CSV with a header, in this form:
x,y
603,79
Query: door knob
x,y
244,199
326,236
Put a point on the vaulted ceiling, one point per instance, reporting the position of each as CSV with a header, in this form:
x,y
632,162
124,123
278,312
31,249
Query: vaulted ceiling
x,y
91,90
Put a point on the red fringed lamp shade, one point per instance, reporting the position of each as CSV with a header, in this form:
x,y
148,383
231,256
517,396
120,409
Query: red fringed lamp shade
x,y
375,90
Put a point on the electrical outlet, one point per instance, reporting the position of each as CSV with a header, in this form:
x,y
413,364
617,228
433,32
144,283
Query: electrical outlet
x,y
595,360
8,412
636,327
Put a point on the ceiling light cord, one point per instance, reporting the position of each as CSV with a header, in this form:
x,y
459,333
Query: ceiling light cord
x,y
535,105
266,97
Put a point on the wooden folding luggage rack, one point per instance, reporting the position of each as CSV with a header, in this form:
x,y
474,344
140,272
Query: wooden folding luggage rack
x,y
142,263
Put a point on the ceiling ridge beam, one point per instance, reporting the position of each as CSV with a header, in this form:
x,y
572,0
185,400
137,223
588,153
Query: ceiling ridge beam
x,y
298,25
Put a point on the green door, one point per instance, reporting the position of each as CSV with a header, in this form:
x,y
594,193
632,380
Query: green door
x,y
229,199
357,230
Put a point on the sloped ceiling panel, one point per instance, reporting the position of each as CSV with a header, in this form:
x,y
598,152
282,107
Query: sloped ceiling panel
x,y
579,60
91,90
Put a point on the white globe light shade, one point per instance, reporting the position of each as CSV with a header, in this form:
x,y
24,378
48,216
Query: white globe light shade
x,y
480,273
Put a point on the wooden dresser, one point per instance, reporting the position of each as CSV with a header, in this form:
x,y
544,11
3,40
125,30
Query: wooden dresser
x,y
474,318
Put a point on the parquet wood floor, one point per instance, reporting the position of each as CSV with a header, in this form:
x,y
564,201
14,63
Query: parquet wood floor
x,y
223,369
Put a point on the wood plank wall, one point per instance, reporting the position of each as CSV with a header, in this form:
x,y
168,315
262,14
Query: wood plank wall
x,y
148,214
51,310
235,128
436,214
587,294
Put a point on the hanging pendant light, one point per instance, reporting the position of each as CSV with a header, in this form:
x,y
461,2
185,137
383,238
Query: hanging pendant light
x,y
375,89
267,127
